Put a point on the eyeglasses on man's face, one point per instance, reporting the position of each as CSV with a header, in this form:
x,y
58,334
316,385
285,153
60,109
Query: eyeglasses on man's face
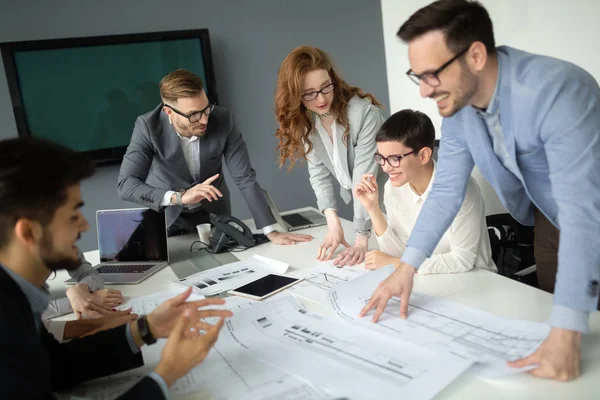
x,y
393,160
310,96
432,77
195,116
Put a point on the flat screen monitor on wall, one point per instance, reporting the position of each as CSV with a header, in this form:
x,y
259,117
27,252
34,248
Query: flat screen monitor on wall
x,y
85,93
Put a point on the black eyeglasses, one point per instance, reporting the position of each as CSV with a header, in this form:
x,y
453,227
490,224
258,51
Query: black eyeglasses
x,y
310,96
431,78
394,160
196,116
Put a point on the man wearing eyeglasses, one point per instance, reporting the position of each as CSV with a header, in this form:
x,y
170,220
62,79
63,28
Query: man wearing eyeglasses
x,y
532,126
404,151
174,160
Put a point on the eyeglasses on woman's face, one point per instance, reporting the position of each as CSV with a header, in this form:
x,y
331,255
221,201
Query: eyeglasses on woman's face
x,y
393,160
310,96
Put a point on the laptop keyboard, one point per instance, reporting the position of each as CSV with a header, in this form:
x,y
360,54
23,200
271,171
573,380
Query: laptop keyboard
x,y
124,269
296,220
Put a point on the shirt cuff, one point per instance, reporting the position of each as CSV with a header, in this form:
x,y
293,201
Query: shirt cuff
x,y
94,281
325,203
57,307
134,348
568,318
166,200
57,329
270,228
413,257
362,224
161,383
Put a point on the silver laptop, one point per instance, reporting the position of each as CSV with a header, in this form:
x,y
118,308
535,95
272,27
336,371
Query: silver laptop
x,y
296,220
132,245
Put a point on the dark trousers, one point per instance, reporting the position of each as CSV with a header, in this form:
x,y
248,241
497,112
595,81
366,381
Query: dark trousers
x,y
546,252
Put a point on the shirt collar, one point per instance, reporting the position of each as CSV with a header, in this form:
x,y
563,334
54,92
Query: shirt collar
x,y
494,106
38,298
183,138
423,197
187,139
318,123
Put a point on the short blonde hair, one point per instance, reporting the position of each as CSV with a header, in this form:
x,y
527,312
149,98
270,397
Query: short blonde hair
x,y
180,83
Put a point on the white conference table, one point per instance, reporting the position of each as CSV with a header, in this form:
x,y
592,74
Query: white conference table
x,y
478,289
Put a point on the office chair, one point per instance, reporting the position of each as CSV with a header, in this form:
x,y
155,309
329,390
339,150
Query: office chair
x,y
512,248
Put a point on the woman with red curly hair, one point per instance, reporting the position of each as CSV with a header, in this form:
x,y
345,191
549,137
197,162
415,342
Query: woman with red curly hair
x,y
332,125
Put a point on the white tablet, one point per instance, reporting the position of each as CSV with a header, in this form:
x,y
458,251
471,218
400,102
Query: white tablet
x,y
265,286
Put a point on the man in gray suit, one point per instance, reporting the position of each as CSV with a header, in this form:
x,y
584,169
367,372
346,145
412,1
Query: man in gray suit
x,y
174,161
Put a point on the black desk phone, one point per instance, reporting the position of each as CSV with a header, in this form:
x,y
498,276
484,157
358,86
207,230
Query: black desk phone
x,y
231,233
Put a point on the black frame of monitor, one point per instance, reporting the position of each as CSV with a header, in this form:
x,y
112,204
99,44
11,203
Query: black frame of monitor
x,y
114,154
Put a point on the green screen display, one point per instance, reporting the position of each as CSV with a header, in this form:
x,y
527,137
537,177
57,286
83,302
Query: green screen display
x,y
87,98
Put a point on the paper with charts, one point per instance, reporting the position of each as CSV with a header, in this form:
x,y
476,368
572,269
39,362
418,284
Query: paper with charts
x,y
321,279
229,372
443,326
230,276
342,361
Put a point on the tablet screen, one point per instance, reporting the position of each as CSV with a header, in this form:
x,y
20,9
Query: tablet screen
x,y
265,285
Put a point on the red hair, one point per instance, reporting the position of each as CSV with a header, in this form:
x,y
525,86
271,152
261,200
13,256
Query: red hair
x,y
295,120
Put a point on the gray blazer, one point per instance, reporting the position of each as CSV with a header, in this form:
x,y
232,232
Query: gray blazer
x,y
154,163
365,119
85,273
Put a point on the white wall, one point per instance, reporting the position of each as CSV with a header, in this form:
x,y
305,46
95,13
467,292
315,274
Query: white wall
x,y
562,29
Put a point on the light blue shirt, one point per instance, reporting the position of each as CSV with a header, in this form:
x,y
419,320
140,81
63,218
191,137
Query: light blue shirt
x,y
538,145
38,298
491,118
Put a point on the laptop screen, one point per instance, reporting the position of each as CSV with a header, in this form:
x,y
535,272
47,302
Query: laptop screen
x,y
133,235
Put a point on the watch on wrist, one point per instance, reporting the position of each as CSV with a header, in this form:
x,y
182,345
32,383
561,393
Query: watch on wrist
x,y
144,330
366,233
179,197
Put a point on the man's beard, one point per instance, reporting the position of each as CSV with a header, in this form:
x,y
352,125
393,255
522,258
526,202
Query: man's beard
x,y
56,262
188,131
466,91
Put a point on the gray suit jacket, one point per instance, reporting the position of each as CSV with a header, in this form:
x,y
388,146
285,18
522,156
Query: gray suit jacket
x,y
85,273
154,163
365,119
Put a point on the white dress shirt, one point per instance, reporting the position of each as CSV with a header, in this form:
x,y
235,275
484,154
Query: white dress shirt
x,y
465,244
333,151
191,153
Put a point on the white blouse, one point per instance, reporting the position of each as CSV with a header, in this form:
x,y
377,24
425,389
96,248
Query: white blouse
x,y
333,151
465,244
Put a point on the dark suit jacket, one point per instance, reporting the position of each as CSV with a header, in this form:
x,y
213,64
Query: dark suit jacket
x,y
33,366
154,163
